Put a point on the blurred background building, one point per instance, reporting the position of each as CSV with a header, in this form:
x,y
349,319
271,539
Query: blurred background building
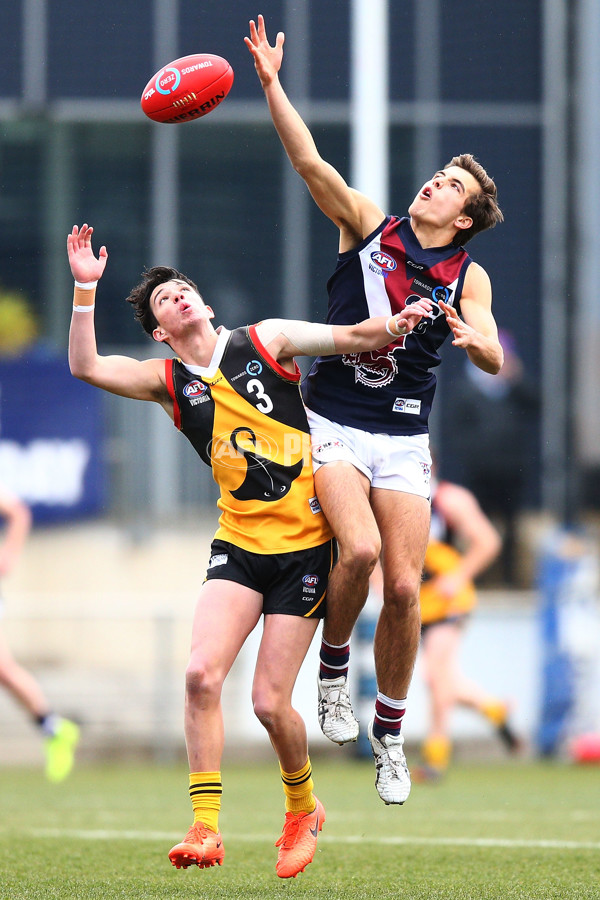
x,y
406,85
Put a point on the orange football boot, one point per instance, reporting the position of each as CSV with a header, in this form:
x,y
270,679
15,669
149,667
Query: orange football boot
x,y
200,847
298,841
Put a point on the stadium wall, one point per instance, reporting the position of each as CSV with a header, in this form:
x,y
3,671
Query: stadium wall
x,y
104,622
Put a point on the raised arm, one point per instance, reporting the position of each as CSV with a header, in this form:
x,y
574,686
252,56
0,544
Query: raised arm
x,y
118,374
355,215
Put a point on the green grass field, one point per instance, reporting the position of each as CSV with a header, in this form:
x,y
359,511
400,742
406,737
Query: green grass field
x,y
489,831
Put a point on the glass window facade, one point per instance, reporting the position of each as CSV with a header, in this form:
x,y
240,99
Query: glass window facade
x,y
66,164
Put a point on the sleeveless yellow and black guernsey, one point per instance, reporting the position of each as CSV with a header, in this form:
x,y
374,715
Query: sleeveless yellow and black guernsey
x,y
245,418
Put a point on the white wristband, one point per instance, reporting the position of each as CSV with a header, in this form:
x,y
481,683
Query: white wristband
x,y
86,285
87,308
394,333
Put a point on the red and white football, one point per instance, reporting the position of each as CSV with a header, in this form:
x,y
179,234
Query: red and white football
x,y
187,88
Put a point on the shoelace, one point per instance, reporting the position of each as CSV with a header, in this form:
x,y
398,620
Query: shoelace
x,y
290,830
394,762
196,835
341,703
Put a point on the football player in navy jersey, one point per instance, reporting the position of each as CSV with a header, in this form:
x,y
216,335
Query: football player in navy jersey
x,y
368,412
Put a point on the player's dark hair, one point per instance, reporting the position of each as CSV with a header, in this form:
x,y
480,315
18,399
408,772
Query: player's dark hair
x,y
481,207
141,293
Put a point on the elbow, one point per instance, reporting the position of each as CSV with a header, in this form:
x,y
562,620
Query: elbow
x,y
498,361
307,166
80,370
498,366
75,369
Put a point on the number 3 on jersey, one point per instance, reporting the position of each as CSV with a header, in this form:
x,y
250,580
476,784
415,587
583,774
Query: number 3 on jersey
x,y
265,404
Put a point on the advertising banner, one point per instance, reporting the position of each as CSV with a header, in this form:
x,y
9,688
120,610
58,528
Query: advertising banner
x,y
51,434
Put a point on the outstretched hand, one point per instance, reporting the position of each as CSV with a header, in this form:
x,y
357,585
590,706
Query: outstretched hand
x,y
463,334
412,314
267,59
85,267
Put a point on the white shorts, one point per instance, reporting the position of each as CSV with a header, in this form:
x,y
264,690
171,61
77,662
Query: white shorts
x,y
395,462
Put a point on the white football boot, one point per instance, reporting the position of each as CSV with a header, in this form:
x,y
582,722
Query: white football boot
x,y
392,778
336,718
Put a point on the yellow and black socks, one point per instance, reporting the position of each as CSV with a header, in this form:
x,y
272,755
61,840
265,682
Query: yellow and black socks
x,y
495,711
205,793
298,789
436,752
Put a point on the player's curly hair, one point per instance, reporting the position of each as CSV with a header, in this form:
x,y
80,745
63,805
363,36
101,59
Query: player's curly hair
x,y
482,207
141,293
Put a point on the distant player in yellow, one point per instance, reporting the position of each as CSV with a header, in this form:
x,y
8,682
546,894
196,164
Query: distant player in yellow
x,y
60,735
235,395
463,543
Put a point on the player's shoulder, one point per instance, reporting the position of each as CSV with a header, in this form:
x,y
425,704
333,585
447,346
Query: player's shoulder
x,y
476,276
367,217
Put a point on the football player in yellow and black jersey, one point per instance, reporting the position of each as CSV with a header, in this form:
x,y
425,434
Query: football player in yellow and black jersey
x,y
235,395
462,545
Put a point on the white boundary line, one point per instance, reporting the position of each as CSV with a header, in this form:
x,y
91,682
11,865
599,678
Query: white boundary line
x,y
106,834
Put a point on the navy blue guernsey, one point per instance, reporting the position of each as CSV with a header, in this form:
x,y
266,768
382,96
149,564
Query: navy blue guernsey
x,y
387,391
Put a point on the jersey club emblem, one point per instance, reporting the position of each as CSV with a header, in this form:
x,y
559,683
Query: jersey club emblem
x,y
374,369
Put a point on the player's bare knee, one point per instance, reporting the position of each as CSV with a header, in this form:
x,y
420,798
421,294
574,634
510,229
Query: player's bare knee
x,y
267,709
401,596
201,683
359,557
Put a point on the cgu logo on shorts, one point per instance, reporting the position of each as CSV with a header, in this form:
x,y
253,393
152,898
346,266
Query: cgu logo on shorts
x,y
405,405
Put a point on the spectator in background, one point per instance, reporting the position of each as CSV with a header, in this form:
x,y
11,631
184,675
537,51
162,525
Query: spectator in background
x,y
60,735
491,426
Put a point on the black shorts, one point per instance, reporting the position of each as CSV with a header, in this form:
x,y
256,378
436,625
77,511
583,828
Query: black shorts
x,y
292,584
459,619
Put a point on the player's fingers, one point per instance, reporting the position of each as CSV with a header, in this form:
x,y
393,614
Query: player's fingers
x,y
280,40
253,32
262,32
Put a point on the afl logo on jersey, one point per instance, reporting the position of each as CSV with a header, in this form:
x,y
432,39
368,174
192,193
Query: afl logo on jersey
x,y
384,260
194,389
